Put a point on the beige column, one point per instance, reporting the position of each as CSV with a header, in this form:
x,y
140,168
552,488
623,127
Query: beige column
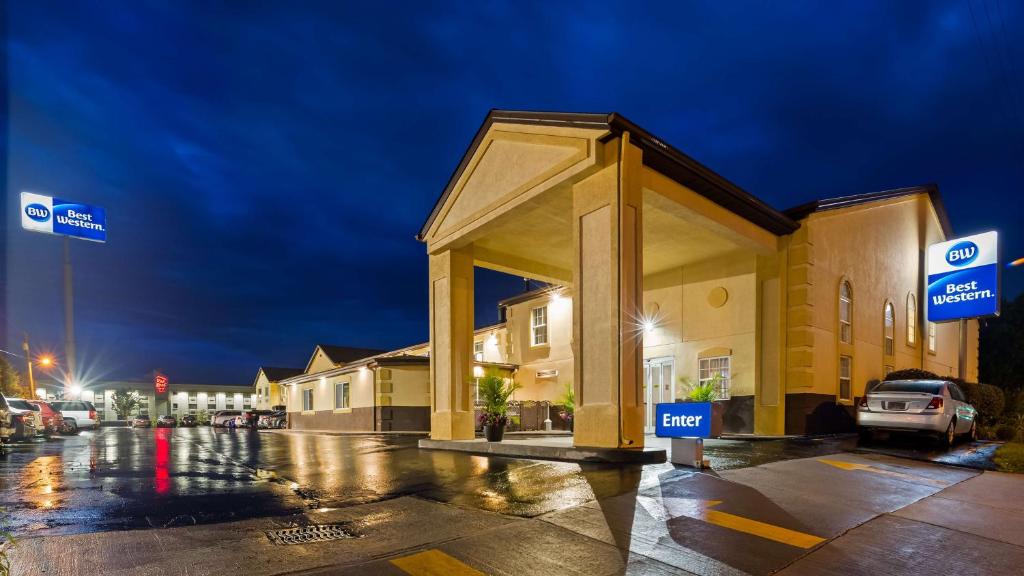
x,y
608,283
451,344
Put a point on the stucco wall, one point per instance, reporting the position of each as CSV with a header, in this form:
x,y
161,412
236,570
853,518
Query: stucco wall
x,y
556,355
687,324
879,249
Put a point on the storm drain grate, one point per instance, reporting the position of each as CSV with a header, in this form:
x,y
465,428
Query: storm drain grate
x,y
311,533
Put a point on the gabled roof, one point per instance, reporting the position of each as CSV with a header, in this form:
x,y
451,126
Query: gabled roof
x,y
339,355
932,190
345,354
276,373
657,154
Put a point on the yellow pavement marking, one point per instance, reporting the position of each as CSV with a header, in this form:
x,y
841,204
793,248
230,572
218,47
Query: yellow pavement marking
x,y
844,465
434,563
701,510
762,529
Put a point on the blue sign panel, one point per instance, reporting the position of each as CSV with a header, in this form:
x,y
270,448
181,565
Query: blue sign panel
x,y
683,420
55,216
963,278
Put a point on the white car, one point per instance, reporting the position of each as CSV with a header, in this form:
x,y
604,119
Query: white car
x,y
6,429
77,412
934,407
221,417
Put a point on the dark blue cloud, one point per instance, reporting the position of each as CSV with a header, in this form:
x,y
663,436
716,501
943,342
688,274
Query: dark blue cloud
x,y
266,165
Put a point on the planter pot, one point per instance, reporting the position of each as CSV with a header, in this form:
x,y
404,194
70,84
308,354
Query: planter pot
x,y
717,418
494,433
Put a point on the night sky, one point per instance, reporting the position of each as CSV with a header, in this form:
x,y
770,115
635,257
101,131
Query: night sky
x,y
265,167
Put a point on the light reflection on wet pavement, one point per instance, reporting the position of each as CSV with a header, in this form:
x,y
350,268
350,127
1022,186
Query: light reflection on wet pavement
x,y
120,478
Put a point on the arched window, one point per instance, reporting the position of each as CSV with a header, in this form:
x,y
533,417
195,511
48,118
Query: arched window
x,y
845,313
890,322
911,319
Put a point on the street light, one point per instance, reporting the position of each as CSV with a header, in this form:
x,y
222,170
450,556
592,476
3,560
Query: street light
x,y
46,361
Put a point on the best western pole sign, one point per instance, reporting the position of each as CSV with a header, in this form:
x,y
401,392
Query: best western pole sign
x,y
963,278
63,217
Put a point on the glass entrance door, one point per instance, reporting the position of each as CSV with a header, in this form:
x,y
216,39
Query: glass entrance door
x,y
659,386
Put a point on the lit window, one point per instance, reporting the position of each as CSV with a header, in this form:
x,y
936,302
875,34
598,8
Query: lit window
x,y
478,351
845,378
890,323
341,395
307,399
539,326
911,319
931,336
845,313
717,370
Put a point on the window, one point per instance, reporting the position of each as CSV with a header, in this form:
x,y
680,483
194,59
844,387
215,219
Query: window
x,y
845,378
911,320
539,326
715,369
307,400
845,313
478,350
247,402
211,402
931,337
341,395
889,325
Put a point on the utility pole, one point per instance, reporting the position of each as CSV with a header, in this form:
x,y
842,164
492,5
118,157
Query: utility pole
x,y
69,321
28,363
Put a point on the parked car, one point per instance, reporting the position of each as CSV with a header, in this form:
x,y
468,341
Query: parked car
x,y
188,421
6,428
221,417
276,419
934,407
53,421
141,421
26,421
79,414
252,417
167,421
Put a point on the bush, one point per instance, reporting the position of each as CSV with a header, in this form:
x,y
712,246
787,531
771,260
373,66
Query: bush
x,y
987,399
1005,432
912,374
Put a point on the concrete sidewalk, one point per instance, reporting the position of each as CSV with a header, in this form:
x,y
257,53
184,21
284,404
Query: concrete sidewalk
x,y
837,514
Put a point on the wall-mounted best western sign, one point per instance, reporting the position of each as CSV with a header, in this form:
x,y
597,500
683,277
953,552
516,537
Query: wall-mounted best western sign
x,y
963,278
55,216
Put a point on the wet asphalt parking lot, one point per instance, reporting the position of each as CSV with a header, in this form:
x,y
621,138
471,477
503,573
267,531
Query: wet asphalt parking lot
x,y
122,478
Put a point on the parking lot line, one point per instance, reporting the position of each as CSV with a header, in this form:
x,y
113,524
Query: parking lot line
x,y
434,563
702,510
851,466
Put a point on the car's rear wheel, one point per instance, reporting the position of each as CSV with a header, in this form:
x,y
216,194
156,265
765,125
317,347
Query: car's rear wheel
x,y
70,427
950,436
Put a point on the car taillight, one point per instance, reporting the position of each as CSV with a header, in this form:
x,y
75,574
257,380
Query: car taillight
x,y
863,402
92,414
935,404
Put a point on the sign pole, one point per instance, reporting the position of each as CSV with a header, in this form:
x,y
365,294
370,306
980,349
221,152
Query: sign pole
x,y
962,361
28,363
69,320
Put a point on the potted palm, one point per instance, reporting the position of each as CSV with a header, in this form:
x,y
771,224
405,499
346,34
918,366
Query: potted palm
x,y
495,393
568,402
708,392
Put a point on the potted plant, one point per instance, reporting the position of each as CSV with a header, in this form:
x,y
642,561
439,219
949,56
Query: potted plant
x,y
708,392
568,403
495,393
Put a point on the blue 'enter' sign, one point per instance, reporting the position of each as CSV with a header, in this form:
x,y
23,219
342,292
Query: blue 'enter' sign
x,y
683,420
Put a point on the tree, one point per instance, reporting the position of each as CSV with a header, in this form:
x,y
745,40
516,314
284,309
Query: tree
x,y
1001,348
10,381
124,402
